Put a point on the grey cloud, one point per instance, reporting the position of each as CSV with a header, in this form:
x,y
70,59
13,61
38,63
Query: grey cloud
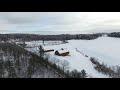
x,y
58,21
21,18
31,17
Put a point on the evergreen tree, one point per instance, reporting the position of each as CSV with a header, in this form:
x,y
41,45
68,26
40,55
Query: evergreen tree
x,y
1,68
75,74
77,37
11,70
83,74
43,41
41,51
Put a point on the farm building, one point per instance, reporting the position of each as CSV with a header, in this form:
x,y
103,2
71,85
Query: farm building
x,y
48,50
62,52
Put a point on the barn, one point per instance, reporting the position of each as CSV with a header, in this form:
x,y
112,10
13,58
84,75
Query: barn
x,y
62,52
48,50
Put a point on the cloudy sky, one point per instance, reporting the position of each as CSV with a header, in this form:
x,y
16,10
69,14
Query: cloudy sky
x,y
37,22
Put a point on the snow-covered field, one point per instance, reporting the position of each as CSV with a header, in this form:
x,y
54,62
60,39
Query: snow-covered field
x,y
105,49
46,43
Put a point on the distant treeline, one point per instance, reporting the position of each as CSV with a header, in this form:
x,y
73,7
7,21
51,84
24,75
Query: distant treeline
x,y
114,34
30,37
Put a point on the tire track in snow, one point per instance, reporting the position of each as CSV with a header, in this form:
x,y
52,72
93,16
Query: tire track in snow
x,y
81,52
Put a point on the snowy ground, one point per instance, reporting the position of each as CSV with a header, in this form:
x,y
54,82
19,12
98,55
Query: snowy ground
x,y
105,49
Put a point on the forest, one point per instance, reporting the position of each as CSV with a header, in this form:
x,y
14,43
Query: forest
x,y
31,37
16,62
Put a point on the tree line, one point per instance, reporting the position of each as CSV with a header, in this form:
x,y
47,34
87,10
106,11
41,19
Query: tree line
x,y
31,37
111,71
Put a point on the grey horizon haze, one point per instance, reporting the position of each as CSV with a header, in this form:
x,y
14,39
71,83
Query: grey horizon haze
x,y
59,22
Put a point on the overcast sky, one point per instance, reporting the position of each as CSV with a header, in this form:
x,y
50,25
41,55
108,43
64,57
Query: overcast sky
x,y
35,22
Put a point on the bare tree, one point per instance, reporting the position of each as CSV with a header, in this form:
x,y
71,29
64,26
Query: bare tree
x,y
65,65
83,74
118,71
1,68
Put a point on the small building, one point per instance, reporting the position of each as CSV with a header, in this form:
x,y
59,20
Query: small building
x,y
62,52
48,50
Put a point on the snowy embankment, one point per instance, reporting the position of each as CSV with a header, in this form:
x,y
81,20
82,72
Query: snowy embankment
x,y
105,49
